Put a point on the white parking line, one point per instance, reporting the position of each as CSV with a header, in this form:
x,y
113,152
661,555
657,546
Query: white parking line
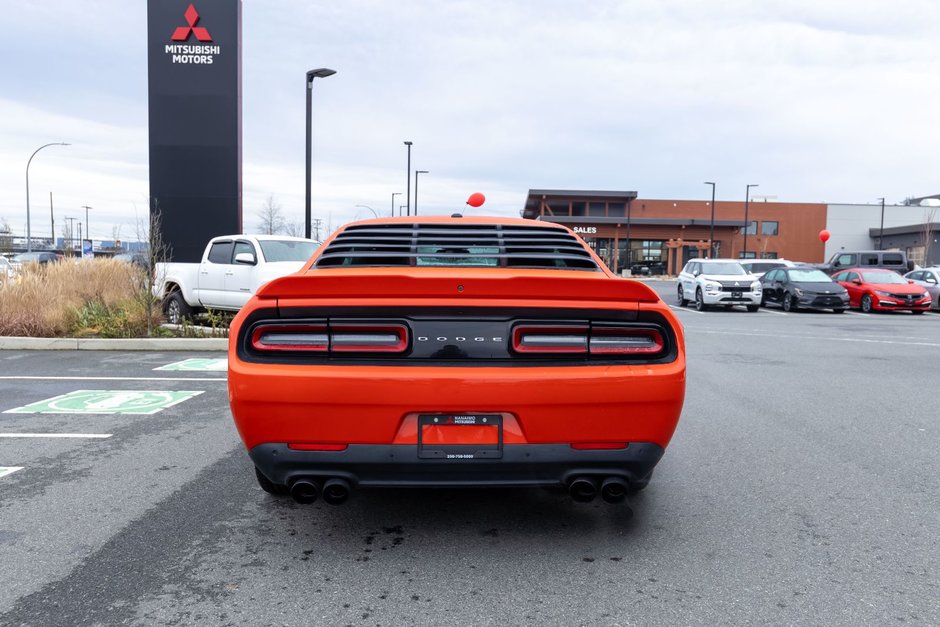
x,y
819,337
769,310
51,378
56,435
677,308
9,470
856,313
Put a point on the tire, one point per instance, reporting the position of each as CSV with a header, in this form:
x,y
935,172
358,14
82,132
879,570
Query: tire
x,y
269,486
788,302
699,300
866,303
683,301
753,308
176,309
763,300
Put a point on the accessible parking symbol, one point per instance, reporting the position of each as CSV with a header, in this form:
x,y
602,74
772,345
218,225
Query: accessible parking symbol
x,y
197,365
141,402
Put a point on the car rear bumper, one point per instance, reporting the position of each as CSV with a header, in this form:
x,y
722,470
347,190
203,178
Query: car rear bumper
x,y
521,465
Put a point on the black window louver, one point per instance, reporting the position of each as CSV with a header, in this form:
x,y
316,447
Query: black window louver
x,y
456,245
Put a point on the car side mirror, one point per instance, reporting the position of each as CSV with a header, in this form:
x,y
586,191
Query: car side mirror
x,y
930,279
696,273
247,259
911,281
857,281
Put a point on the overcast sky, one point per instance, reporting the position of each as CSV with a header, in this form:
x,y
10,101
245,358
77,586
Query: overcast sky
x,y
833,101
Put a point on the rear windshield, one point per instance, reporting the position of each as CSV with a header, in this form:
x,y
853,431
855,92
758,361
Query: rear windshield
x,y
287,250
763,266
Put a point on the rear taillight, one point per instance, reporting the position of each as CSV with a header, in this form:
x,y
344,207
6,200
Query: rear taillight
x,y
330,338
592,339
308,338
540,338
377,338
625,341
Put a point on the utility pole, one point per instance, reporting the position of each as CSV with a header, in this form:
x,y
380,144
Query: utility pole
x,y
408,181
52,218
81,244
393,202
316,227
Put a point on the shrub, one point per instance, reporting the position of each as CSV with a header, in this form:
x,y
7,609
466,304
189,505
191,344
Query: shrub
x,y
98,297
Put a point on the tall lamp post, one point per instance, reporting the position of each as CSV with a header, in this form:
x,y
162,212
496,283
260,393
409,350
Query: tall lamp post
x,y
370,209
747,225
312,74
711,233
408,180
881,231
87,223
417,172
29,238
393,202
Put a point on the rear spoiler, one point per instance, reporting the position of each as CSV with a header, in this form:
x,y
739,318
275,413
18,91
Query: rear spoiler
x,y
458,283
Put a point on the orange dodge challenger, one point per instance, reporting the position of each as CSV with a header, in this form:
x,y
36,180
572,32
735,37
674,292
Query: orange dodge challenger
x,y
455,351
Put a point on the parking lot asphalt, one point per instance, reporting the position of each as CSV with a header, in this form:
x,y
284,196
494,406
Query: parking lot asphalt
x,y
800,488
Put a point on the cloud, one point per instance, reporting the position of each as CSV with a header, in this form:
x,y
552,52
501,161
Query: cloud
x,y
815,101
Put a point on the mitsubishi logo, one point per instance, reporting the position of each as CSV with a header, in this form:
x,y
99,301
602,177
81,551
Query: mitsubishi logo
x,y
182,32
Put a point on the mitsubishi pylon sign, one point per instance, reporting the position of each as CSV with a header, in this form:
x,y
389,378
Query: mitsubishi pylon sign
x,y
194,63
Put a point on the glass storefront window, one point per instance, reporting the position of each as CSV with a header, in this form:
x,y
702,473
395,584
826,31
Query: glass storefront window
x,y
616,209
578,208
596,209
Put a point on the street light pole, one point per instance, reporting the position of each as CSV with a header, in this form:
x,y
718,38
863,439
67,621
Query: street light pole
x,y
393,202
408,180
881,231
400,207
81,245
417,172
370,209
312,74
29,239
711,233
87,223
747,225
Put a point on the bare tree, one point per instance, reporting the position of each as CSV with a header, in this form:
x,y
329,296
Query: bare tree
x,y
158,251
270,216
294,229
930,214
6,236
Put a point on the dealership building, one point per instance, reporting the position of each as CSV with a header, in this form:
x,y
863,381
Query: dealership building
x,y
658,236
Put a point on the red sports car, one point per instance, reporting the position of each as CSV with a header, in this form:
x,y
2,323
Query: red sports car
x,y
451,351
882,290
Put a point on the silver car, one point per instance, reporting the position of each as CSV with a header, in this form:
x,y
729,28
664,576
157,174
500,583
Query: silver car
x,y
928,278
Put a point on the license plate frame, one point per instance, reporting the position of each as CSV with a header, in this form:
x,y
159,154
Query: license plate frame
x,y
737,295
457,452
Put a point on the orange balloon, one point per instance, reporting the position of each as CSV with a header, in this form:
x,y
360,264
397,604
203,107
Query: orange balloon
x,y
824,236
476,199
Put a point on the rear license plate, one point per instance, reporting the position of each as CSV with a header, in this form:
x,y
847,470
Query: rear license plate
x,y
460,436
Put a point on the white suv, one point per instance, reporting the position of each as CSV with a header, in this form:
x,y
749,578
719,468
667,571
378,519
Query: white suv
x,y
718,282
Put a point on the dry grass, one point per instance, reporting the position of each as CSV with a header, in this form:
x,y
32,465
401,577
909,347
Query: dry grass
x,y
100,297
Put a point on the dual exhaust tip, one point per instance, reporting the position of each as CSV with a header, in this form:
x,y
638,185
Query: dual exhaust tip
x,y
334,491
586,489
581,489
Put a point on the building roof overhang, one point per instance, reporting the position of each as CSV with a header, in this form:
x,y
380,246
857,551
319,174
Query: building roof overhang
x,y
910,229
536,195
598,220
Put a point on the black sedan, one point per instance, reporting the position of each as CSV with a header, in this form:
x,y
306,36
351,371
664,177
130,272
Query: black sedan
x,y
803,287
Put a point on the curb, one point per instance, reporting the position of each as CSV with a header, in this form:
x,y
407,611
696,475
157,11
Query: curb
x,y
119,344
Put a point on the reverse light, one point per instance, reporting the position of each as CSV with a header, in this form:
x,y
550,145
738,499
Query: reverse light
x,y
326,338
593,339
308,338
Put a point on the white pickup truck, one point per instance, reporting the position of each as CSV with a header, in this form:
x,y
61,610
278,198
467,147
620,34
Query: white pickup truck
x,y
233,267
